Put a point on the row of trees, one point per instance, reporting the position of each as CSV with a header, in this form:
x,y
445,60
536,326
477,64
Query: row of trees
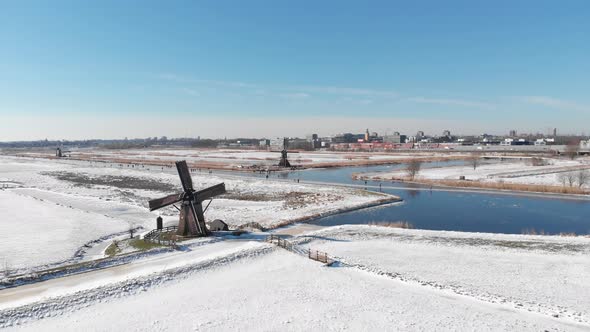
x,y
573,179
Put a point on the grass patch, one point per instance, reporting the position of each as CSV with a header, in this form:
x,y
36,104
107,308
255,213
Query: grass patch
x,y
136,244
113,249
121,182
143,245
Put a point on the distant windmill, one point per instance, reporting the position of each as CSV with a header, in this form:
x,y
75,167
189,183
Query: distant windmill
x,y
60,153
192,217
284,162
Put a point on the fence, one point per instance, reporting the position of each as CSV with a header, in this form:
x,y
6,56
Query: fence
x,y
315,255
155,236
319,256
280,242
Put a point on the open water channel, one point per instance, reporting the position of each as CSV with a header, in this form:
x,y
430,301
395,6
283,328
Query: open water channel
x,y
455,210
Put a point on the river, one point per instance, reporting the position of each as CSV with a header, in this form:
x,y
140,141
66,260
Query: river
x,y
454,210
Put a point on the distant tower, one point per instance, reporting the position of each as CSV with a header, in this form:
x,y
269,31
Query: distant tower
x,y
367,135
554,132
512,133
420,134
447,133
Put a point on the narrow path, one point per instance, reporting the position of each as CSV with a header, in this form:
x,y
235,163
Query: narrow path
x,y
30,293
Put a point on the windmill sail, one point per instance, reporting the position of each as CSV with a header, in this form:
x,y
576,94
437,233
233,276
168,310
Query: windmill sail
x,y
159,203
185,175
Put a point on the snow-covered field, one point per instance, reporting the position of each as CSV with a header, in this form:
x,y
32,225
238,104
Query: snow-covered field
x,y
35,232
235,158
540,274
54,207
384,278
389,279
512,171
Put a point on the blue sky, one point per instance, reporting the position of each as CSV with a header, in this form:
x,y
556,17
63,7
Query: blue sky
x,y
264,68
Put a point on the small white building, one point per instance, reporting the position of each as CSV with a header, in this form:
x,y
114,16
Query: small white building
x,y
540,142
218,225
507,141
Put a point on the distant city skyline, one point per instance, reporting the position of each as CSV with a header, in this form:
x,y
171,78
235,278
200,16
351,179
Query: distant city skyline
x,y
112,69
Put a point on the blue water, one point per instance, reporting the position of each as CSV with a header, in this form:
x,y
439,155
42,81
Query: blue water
x,y
457,211
475,212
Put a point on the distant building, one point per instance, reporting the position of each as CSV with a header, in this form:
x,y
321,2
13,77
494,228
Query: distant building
x,y
420,134
277,143
316,143
540,142
264,143
299,144
512,133
396,138
511,141
447,133
347,138
585,144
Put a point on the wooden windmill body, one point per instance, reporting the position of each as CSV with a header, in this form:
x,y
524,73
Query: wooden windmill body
x,y
192,217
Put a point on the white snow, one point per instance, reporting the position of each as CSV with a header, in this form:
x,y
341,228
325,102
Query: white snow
x,y
37,232
542,274
280,291
233,157
513,171
387,278
50,219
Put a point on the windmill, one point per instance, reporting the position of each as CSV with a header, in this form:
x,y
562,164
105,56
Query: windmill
x,y
60,153
284,161
192,217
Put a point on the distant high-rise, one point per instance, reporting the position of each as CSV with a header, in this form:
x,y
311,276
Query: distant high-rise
x,y
447,133
554,132
512,133
420,134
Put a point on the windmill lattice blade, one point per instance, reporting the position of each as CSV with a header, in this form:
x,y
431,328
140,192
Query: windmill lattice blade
x,y
210,192
185,175
159,203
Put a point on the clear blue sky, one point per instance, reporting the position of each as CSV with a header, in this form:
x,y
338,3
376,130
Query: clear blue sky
x,y
218,68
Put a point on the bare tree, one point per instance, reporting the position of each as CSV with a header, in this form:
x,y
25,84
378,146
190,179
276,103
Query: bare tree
x,y
132,228
5,270
570,178
583,178
561,177
413,168
567,178
474,160
572,148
